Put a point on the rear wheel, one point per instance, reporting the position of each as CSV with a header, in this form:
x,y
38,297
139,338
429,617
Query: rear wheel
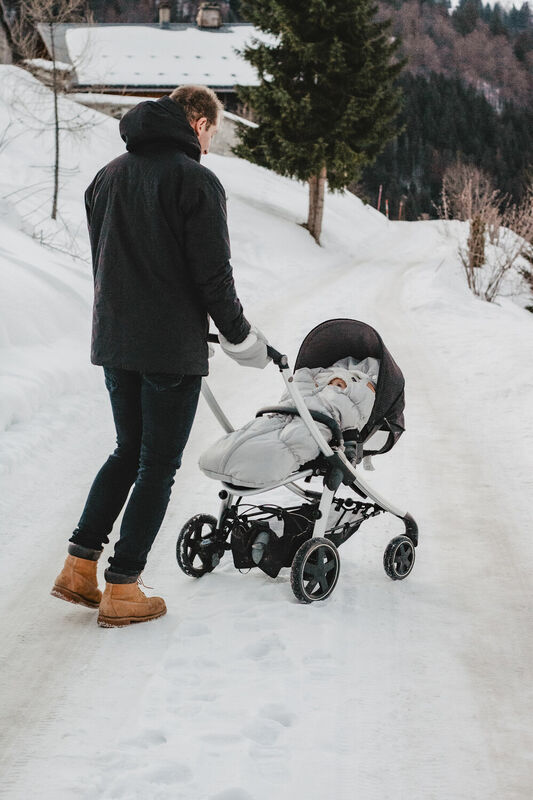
x,y
399,558
199,549
315,570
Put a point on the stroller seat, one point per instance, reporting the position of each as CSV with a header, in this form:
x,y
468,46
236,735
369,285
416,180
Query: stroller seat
x,y
277,442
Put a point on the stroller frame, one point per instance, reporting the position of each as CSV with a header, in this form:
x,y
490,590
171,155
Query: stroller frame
x,y
317,557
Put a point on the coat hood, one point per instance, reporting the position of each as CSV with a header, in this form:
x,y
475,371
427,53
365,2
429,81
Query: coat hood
x,y
159,122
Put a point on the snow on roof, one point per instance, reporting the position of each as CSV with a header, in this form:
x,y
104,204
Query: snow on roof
x,y
101,98
147,55
241,120
44,63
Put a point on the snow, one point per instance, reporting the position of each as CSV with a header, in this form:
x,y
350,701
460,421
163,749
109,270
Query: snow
x,y
44,327
43,63
145,55
414,689
107,99
506,5
240,120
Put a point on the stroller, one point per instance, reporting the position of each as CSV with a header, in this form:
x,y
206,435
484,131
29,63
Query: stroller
x,y
306,537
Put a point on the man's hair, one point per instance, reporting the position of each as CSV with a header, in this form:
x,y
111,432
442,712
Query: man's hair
x,y
197,102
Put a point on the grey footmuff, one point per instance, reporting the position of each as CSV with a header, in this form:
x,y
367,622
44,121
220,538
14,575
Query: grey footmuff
x,y
270,448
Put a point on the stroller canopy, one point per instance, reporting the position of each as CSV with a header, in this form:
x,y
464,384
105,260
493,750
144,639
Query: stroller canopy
x,y
339,338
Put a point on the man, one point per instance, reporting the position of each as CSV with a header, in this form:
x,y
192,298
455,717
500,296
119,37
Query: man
x,y
160,247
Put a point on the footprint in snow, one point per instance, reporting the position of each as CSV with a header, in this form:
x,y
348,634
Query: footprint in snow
x,y
263,731
205,697
317,657
202,662
228,740
147,738
265,647
232,794
194,629
248,624
278,713
166,773
176,663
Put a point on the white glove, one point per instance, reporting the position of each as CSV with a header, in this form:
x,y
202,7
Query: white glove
x,y
252,352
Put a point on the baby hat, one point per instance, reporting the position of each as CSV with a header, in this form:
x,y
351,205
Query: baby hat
x,y
347,375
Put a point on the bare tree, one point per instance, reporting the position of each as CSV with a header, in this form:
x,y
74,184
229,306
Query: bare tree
x,y
7,49
468,192
512,245
50,13
500,232
468,195
4,138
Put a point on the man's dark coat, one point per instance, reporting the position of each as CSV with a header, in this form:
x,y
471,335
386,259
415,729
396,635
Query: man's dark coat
x,y
160,246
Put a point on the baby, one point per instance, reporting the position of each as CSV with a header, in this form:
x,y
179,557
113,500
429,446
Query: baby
x,y
341,383
342,391
342,378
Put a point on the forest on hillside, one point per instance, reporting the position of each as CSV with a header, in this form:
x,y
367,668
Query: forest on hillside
x,y
444,121
488,48
467,94
468,90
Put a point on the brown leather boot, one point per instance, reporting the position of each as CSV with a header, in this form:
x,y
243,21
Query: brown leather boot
x,y
124,603
77,581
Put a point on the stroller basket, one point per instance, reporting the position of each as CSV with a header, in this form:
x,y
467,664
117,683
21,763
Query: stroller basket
x,y
270,536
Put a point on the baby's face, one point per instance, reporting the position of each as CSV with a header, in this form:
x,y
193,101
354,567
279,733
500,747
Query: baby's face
x,y
337,382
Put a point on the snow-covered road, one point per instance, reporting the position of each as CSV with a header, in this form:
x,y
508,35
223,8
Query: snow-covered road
x,y
418,689
413,690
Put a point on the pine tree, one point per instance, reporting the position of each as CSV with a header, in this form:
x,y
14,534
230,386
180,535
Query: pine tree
x,y
466,16
327,102
497,22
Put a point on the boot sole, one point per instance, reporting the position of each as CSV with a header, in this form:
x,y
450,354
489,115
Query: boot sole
x,y
73,597
121,622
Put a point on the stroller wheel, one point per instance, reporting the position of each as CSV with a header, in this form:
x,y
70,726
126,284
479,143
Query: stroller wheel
x,y
197,550
399,558
315,570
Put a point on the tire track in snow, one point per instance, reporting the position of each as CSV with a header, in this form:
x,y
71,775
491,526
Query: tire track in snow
x,y
481,538
462,492
51,648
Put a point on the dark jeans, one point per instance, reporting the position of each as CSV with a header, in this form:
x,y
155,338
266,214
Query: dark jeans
x,y
153,417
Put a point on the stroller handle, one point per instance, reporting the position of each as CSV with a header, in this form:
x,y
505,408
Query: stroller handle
x,y
278,358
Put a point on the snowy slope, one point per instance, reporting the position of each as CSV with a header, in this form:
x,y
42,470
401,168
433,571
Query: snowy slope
x,y
46,294
420,689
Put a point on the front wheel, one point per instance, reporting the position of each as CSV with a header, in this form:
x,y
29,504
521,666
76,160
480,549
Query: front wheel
x,y
199,549
399,558
315,570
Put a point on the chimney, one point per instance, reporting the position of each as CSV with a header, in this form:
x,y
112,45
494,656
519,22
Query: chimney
x,y
209,16
164,14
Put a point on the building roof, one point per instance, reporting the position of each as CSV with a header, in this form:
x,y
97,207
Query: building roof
x,y
125,55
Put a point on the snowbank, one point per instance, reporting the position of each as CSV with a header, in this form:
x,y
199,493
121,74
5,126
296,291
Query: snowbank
x,y
45,303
